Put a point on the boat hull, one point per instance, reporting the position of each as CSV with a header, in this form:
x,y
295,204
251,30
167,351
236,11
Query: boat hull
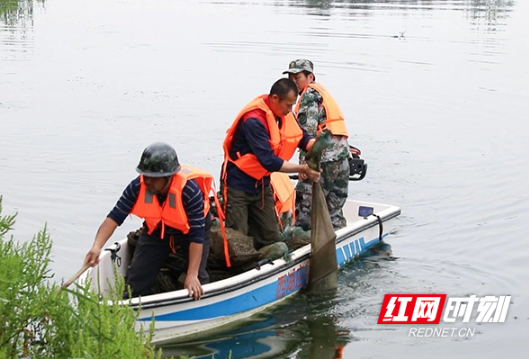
x,y
177,316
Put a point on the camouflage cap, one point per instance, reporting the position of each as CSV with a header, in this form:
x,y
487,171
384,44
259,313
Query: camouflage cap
x,y
299,65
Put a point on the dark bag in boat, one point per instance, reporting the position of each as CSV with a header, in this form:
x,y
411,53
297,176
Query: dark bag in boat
x,y
168,279
132,237
240,247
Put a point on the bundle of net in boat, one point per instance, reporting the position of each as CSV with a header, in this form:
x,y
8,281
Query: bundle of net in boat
x,y
295,237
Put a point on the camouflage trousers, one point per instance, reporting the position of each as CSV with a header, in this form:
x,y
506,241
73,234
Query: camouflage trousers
x,y
334,182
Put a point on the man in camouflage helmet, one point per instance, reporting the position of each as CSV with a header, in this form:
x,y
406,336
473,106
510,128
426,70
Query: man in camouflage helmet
x,y
172,201
316,111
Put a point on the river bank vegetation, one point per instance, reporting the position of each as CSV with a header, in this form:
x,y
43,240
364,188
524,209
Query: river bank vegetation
x,y
38,322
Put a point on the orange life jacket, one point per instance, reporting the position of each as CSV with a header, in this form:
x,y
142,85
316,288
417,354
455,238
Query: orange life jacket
x,y
334,117
283,141
284,195
172,213
339,351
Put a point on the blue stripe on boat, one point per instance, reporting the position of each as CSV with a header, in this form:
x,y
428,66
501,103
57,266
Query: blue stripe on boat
x,y
247,301
263,295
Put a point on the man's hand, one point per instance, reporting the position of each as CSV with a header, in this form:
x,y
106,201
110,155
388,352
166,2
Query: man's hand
x,y
310,144
92,257
192,284
302,176
304,171
310,173
103,234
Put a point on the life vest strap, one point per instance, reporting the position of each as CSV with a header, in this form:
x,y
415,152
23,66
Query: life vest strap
x,y
220,213
171,244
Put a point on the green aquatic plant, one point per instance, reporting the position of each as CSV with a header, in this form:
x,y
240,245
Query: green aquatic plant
x,y
8,7
38,322
13,12
313,157
6,222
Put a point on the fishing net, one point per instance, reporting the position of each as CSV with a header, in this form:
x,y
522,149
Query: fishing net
x,y
323,273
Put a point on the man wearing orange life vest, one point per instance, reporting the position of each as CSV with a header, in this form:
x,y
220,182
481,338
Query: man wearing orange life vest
x,y
261,140
174,202
316,111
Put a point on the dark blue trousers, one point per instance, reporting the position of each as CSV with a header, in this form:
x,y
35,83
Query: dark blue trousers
x,y
150,255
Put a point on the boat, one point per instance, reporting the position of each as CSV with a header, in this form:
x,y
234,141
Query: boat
x,y
178,317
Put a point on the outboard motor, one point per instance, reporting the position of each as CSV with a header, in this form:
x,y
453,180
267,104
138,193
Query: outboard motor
x,y
357,166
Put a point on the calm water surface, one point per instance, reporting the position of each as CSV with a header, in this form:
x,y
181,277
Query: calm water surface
x,y
435,93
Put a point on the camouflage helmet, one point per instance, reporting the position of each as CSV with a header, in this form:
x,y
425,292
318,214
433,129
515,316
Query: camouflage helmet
x,y
299,65
158,160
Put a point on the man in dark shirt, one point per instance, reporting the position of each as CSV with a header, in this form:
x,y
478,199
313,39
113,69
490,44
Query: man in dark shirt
x,y
254,148
158,167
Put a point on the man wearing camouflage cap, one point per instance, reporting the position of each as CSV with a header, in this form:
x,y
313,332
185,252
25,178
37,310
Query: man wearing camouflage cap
x,y
316,111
